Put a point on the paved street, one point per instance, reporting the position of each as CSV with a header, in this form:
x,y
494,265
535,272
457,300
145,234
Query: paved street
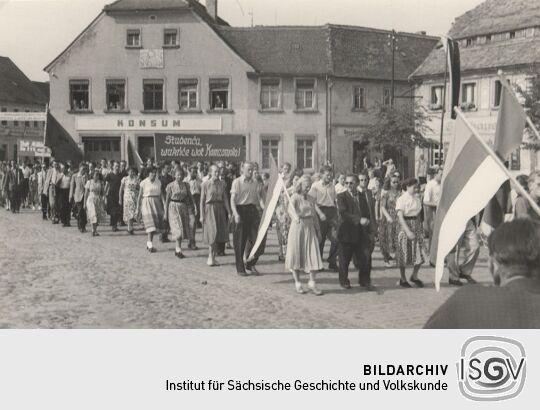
x,y
54,277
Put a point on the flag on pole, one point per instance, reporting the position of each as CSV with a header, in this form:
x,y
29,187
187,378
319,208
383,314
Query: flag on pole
x,y
508,137
275,185
451,47
472,175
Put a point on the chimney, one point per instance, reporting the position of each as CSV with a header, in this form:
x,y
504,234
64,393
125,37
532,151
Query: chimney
x,y
211,7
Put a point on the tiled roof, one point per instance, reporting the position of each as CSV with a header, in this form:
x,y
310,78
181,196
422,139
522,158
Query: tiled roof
x,y
16,87
495,16
488,56
131,5
344,51
44,87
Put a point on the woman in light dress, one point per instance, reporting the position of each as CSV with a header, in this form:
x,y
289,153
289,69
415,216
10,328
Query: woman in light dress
x,y
129,190
215,213
410,240
150,206
94,201
302,243
388,226
180,210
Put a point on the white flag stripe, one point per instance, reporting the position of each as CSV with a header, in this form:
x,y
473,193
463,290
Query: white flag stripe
x,y
482,185
268,214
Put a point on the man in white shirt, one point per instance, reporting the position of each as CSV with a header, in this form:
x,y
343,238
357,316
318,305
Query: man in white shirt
x,y
421,170
324,193
432,196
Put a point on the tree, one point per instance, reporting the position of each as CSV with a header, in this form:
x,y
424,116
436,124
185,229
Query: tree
x,y
531,102
400,128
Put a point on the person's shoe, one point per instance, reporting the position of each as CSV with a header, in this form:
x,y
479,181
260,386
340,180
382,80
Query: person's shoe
x,y
299,289
243,274
179,255
388,264
369,288
44,218
333,267
405,284
313,287
193,247
221,253
83,230
115,229
228,245
130,232
165,239
253,270
469,279
417,282
345,285
281,258
455,282
151,250
212,264
123,224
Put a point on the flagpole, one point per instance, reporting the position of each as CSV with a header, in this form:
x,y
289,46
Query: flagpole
x,y
447,48
513,179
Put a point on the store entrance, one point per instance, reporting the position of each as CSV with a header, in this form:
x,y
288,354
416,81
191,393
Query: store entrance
x,y
98,148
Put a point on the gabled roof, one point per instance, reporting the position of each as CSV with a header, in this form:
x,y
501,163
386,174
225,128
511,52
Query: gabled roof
x,y
16,87
495,16
523,52
134,5
343,51
44,87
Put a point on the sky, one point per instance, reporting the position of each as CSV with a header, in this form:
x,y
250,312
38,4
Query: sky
x,y
34,32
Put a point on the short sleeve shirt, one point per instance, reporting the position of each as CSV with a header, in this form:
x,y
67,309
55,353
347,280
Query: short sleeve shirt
x,y
149,188
246,192
324,195
432,193
410,205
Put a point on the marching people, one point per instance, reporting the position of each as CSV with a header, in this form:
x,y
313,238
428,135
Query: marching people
x,y
354,233
127,198
410,241
93,200
282,217
368,232
165,178
195,187
432,196
76,196
113,180
42,192
12,187
33,197
180,211
62,195
150,206
388,228
51,179
324,193
303,253
245,197
25,187
215,209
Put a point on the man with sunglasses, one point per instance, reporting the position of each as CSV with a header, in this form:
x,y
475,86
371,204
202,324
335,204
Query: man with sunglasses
x,y
355,232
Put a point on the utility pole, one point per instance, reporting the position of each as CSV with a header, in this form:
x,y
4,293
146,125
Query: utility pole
x,y
393,43
251,15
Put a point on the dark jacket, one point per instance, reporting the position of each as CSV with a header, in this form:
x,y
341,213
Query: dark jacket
x,y
350,230
12,180
514,306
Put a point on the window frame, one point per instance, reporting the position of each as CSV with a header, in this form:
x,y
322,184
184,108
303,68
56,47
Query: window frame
x,y
301,138
125,109
163,92
197,108
389,96
270,137
15,123
361,107
514,161
433,106
169,30
462,95
279,91
132,31
228,108
3,123
74,81
315,99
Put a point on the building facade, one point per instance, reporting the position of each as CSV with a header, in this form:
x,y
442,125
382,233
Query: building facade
x,y
498,35
303,95
18,95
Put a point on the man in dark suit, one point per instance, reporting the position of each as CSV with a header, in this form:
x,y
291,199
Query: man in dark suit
x,y
13,186
355,234
514,303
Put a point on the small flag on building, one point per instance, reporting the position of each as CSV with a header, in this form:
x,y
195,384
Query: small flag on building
x,y
472,175
451,48
508,137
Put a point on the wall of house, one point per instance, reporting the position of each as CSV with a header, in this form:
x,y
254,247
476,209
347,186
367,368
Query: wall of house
x,y
483,116
101,54
11,134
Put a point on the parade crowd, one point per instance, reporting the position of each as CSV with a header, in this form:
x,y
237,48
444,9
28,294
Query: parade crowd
x,y
354,212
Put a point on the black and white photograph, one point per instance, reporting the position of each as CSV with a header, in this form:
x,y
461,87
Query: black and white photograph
x,y
251,164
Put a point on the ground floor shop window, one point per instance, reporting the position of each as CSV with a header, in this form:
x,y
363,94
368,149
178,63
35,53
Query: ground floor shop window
x,y
98,148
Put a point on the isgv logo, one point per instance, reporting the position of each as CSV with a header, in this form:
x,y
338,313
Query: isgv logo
x,y
491,368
